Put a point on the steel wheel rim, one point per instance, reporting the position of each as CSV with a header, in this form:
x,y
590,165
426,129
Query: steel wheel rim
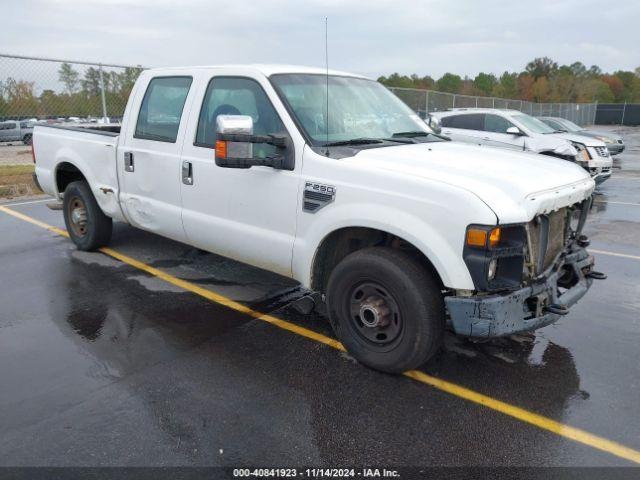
x,y
77,214
374,314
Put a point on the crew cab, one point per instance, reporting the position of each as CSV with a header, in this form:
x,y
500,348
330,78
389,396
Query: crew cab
x,y
516,130
330,179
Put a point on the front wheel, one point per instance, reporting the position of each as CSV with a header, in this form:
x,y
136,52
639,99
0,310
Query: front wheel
x,y
386,308
88,226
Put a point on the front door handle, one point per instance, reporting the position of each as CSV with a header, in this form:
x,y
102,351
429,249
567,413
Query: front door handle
x,y
128,162
187,173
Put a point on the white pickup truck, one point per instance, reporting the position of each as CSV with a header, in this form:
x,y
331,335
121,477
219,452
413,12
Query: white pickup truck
x,y
402,231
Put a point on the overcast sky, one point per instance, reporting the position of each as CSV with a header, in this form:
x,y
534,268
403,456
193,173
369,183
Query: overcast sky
x,y
365,36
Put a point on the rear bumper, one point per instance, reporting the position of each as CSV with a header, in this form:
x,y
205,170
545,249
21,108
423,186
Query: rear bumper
x,y
521,310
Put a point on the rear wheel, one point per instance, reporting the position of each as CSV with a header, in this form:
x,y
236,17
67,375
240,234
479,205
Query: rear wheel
x,y
88,226
386,309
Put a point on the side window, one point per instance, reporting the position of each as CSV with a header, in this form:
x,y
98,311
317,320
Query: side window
x,y
24,125
161,109
473,121
496,123
237,96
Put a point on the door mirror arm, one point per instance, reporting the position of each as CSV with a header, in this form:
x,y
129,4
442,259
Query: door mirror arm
x,y
279,141
273,161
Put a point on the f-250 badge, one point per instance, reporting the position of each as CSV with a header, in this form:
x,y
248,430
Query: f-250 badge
x,y
316,196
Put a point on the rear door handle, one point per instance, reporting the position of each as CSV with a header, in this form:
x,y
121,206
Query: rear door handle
x,y
128,162
187,173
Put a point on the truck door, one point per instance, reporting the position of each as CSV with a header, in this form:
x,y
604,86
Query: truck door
x,y
149,159
247,214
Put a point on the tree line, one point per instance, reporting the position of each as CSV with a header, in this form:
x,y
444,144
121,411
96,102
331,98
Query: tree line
x,y
79,95
542,80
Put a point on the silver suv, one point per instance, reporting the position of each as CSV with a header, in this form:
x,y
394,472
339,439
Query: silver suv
x,y
516,130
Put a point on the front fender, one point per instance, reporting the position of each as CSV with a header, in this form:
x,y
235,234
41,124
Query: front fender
x,y
436,242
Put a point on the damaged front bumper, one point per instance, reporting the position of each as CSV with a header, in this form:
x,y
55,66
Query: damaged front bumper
x,y
529,308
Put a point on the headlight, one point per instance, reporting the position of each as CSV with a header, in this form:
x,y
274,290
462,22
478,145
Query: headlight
x,y
494,255
606,139
493,267
583,154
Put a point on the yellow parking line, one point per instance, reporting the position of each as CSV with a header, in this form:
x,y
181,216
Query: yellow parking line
x,y
33,221
614,254
544,423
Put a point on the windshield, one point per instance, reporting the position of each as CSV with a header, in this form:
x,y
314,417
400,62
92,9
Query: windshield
x,y
532,124
569,125
358,108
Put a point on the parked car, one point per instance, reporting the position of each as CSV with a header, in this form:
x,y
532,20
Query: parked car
x,y
15,131
516,130
613,141
398,229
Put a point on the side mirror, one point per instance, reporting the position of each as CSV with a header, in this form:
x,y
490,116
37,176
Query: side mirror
x,y
235,140
515,131
434,124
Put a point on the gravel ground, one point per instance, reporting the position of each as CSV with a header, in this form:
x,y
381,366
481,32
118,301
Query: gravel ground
x,y
15,154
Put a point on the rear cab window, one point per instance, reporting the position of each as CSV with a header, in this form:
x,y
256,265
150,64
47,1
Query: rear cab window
x,y
161,109
472,121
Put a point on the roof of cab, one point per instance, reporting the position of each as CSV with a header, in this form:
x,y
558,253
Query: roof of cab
x,y
265,69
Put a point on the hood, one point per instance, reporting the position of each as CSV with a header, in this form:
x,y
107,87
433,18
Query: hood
x,y
515,185
579,138
601,133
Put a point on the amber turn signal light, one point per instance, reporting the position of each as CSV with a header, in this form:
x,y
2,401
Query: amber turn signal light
x,y
221,149
494,237
477,237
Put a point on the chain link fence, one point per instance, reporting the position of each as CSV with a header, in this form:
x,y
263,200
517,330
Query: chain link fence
x,y
426,101
55,91
52,90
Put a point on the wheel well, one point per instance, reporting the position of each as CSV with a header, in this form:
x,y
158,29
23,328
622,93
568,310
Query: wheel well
x,y
340,243
65,174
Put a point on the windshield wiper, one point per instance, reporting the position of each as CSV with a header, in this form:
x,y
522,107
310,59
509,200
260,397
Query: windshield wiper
x,y
412,134
419,133
353,141
366,141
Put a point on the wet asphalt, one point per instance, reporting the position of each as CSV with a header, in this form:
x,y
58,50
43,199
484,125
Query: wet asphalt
x,y
102,364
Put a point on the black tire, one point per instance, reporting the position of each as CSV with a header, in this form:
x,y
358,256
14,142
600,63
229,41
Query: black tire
x,y
27,139
88,226
391,286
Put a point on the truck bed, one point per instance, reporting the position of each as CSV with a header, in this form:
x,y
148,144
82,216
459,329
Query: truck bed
x,y
60,151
